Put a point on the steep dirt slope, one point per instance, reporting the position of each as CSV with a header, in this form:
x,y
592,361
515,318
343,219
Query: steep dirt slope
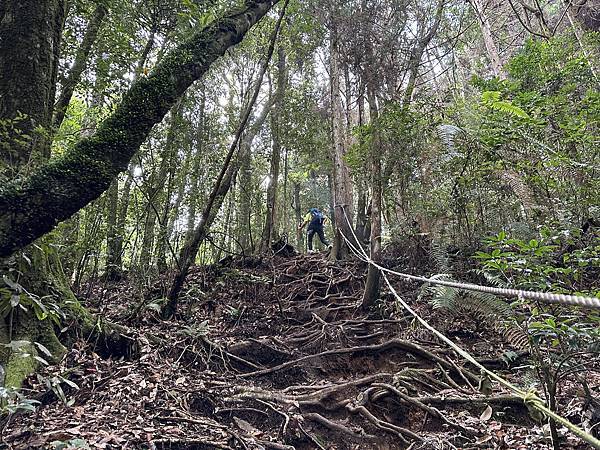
x,y
275,353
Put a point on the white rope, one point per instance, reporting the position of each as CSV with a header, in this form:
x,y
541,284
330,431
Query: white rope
x,y
546,297
530,398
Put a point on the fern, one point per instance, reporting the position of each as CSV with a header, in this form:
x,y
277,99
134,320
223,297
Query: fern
x,y
510,109
487,305
480,306
440,296
492,279
492,100
439,255
447,134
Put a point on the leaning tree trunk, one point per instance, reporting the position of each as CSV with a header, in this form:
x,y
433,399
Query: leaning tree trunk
x,y
86,170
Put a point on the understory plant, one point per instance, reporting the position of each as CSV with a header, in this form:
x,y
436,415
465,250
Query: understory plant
x,y
564,342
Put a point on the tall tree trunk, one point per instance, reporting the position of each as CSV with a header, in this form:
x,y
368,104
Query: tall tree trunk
x,y
488,38
81,59
30,35
372,285
342,185
201,138
86,170
269,229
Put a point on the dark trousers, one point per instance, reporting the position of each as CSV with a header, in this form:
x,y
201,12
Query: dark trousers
x,y
319,232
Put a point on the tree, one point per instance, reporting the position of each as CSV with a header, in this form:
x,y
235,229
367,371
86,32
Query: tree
x,y
270,220
220,189
33,203
342,183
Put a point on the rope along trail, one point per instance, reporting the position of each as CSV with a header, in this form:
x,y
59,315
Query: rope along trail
x,y
530,398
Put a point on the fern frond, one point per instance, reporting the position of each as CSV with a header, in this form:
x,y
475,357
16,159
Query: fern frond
x,y
482,305
510,109
440,296
487,304
440,257
447,134
492,279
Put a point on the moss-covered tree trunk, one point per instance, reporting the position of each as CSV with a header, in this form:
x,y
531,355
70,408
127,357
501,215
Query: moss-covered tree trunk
x,y
32,206
30,35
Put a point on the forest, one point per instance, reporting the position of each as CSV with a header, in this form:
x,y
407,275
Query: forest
x,y
300,224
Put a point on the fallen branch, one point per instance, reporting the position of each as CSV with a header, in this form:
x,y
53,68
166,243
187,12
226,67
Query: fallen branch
x,y
334,426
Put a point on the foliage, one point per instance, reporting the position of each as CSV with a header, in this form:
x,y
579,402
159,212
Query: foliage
x,y
13,401
14,295
560,261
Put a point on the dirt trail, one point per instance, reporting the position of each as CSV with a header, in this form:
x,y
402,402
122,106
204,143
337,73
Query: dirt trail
x,y
274,353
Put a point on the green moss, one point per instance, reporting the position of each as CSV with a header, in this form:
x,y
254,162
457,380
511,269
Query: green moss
x,y
19,366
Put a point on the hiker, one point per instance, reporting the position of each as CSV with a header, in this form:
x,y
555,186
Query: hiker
x,y
315,220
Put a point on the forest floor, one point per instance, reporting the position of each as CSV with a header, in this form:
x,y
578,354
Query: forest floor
x,y
274,353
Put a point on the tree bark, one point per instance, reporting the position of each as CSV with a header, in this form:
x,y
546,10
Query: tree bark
x,y
269,229
30,35
372,285
81,60
342,185
32,206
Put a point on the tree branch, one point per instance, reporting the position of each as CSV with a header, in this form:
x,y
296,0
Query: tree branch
x,y
32,206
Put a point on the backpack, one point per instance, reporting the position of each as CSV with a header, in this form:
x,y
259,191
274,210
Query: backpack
x,y
317,216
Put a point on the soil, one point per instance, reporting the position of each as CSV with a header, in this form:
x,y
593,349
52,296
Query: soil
x,y
276,353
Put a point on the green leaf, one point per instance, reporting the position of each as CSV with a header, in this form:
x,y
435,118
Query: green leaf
x,y
43,349
42,360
